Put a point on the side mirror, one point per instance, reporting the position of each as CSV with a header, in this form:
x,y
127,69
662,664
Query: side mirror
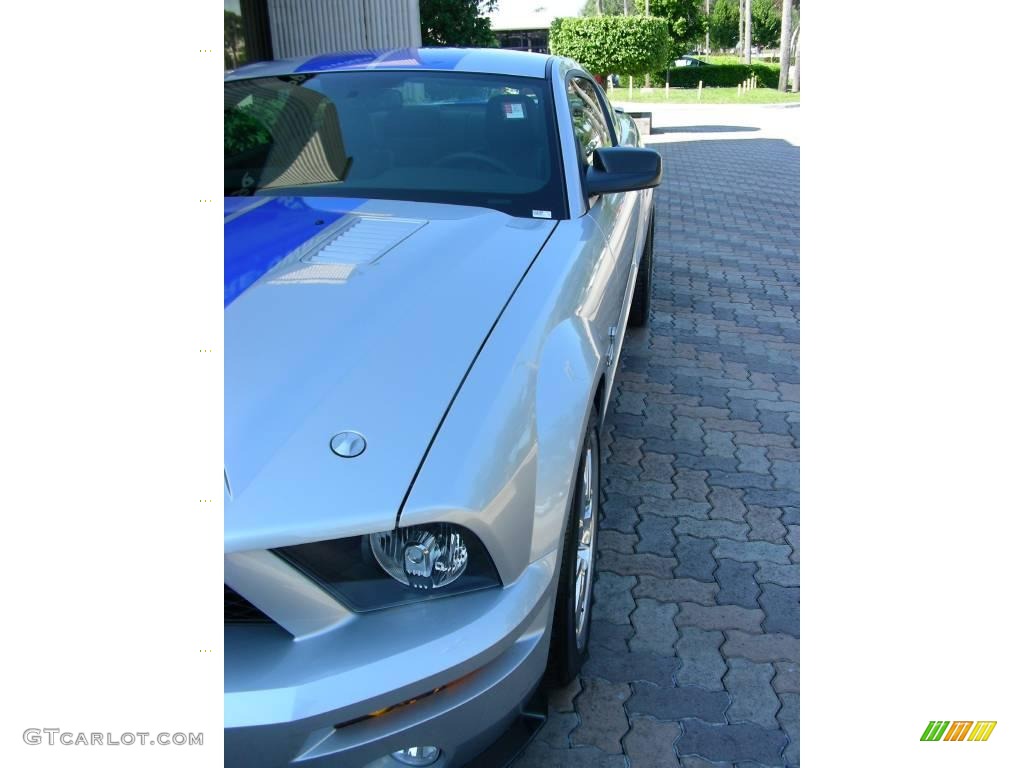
x,y
623,169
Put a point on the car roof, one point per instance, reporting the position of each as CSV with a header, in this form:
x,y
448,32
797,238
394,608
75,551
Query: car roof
x,y
497,61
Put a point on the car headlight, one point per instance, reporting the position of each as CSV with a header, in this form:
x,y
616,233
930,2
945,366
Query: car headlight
x,y
395,567
424,557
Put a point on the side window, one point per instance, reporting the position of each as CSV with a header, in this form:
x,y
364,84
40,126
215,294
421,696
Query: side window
x,y
588,123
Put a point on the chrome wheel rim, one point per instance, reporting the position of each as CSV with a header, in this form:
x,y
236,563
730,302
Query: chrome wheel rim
x,y
585,524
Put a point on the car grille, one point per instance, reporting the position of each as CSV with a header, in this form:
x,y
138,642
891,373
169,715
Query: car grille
x,y
238,610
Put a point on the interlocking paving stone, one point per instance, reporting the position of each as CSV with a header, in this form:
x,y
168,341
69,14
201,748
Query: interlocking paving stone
x,y
695,559
718,443
610,636
675,508
656,535
787,677
691,484
617,541
624,450
701,661
711,529
737,583
630,487
670,703
655,630
770,497
603,720
757,438
682,590
612,601
789,719
753,459
651,744
626,565
732,743
619,513
782,609
656,466
540,755
621,471
687,428
752,551
699,762
766,647
739,479
727,504
560,699
765,524
556,729
629,667
794,541
733,427
774,573
787,474
749,684
719,617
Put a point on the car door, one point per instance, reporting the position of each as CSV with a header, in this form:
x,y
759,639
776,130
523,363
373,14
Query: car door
x,y
615,214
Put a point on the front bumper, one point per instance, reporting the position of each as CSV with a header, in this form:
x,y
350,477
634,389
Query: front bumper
x,y
454,674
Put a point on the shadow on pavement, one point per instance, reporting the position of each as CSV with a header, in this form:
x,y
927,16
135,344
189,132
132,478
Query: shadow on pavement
x,y
704,129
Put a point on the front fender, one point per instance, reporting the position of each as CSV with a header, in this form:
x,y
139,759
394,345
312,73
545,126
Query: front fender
x,y
503,461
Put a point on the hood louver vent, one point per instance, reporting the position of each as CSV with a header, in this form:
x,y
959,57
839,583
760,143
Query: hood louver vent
x,y
359,240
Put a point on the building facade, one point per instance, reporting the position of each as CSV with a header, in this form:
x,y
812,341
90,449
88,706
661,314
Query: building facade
x,y
258,30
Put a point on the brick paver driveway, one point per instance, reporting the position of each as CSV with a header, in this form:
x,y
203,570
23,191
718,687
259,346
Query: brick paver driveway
x,y
694,650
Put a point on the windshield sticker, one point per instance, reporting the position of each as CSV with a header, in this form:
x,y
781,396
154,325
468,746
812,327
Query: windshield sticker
x,y
514,110
542,214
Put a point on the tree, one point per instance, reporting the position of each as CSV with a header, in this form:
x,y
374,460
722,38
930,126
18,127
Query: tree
x,y
625,45
724,24
687,22
603,7
457,23
766,23
234,40
787,22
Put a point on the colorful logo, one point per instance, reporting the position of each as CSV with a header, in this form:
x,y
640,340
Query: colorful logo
x,y
959,730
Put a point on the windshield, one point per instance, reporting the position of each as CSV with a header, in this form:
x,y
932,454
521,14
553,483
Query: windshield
x,y
447,137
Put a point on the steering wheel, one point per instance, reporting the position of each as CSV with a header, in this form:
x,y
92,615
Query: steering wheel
x,y
455,159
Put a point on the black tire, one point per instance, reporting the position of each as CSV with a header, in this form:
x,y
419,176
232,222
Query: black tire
x,y
640,309
569,647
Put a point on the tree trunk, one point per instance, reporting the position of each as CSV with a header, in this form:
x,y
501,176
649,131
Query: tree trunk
x,y
784,40
746,30
742,16
796,55
707,29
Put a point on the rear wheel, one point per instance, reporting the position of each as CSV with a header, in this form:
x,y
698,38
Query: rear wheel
x,y
571,630
640,309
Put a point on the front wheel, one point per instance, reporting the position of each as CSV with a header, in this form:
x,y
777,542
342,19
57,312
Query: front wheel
x,y
571,630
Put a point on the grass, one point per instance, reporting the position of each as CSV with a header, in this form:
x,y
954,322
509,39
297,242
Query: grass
x,y
708,96
729,59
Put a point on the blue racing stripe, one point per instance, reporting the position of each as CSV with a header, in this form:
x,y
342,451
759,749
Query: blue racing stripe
x,y
334,61
256,241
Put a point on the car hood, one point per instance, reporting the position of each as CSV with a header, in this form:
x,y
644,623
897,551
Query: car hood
x,y
349,315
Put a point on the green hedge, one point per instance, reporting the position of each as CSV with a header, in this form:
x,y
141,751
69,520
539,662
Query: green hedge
x,y
720,75
626,45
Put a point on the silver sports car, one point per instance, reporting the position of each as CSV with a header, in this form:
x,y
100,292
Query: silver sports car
x,y
431,257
